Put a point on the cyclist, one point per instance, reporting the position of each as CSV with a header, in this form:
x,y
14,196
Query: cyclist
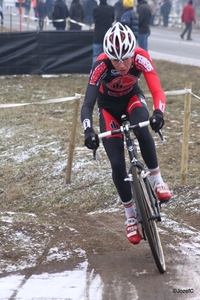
x,y
113,82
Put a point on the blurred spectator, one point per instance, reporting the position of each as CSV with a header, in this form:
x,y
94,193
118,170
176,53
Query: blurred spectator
x,y
119,10
27,6
60,13
103,16
130,17
144,15
35,5
153,11
165,11
1,14
88,8
42,13
76,13
49,6
188,16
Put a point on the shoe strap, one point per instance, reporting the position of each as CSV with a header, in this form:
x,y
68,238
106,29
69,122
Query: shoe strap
x,y
131,221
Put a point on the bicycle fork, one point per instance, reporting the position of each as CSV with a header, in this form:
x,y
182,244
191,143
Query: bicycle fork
x,y
153,200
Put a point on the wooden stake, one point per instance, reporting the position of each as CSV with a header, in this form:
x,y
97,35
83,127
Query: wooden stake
x,y
186,127
72,138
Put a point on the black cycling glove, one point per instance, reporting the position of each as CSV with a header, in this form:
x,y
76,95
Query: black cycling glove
x,y
91,139
157,121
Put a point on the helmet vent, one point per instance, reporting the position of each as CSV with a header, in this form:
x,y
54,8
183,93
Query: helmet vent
x,y
119,42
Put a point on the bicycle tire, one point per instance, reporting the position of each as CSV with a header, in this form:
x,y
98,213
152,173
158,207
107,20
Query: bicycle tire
x,y
148,223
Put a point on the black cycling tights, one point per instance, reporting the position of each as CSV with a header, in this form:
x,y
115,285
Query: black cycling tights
x,y
114,148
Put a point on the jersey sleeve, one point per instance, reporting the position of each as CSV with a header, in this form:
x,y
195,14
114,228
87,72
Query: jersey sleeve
x,y
143,62
88,106
96,75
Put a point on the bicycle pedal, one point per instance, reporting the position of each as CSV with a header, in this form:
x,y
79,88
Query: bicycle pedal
x,y
144,174
129,178
143,234
163,202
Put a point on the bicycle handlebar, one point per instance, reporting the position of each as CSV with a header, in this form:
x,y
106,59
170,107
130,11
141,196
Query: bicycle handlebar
x,y
96,154
120,130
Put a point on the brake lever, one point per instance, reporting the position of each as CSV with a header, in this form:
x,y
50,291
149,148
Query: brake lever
x,y
161,136
159,132
96,154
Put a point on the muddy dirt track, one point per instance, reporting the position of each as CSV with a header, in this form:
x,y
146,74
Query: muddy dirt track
x,y
119,269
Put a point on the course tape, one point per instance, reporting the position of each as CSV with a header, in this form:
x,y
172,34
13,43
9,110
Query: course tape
x,y
172,93
180,92
195,96
78,96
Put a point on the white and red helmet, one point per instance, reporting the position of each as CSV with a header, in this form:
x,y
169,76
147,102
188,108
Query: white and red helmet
x,y
119,42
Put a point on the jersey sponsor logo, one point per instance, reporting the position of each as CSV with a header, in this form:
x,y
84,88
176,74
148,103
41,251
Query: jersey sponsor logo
x,y
86,124
114,125
98,74
121,85
143,63
110,123
161,106
114,72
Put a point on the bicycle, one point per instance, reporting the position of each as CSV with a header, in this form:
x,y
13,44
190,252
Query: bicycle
x,y
146,203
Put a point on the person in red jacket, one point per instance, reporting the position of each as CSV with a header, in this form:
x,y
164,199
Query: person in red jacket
x,y
188,16
113,83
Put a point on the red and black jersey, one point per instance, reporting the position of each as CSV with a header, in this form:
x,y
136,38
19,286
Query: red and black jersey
x,y
110,88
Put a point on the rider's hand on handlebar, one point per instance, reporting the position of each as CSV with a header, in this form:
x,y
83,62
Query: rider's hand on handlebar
x,y
157,121
91,139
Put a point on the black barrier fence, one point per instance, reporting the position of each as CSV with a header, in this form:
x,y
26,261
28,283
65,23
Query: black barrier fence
x,y
46,52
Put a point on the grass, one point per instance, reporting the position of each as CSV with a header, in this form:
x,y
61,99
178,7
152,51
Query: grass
x,y
38,209
35,141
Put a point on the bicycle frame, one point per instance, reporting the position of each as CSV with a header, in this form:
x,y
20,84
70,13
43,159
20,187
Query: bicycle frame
x,y
144,197
135,162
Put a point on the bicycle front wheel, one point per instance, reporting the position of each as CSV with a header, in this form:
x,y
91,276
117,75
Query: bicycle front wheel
x,y
145,203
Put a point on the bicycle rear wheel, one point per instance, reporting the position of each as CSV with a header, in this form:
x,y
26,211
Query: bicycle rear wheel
x,y
145,203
